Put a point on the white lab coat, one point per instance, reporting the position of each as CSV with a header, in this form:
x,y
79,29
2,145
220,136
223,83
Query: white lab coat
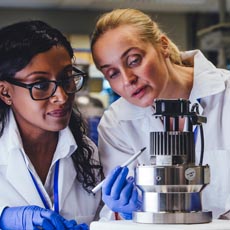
x,y
124,129
18,189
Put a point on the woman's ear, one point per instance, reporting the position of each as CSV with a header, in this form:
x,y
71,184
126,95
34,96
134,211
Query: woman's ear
x,y
165,46
4,93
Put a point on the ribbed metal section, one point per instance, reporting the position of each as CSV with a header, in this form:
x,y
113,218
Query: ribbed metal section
x,y
172,143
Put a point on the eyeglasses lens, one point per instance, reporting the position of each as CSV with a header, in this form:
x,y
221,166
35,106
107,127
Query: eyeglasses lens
x,y
43,90
70,85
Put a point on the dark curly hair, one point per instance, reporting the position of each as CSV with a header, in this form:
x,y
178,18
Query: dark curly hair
x,y
19,43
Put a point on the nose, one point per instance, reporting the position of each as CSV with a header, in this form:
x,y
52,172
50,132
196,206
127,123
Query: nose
x,y
129,77
60,95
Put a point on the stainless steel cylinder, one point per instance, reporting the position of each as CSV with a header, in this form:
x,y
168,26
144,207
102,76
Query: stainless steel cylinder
x,y
175,178
168,193
173,218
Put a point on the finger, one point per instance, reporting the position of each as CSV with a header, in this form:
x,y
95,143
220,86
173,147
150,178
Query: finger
x,y
108,183
127,192
82,227
119,184
39,222
43,224
37,228
70,223
54,219
134,199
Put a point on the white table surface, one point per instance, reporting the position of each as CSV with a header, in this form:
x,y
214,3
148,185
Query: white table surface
x,y
130,225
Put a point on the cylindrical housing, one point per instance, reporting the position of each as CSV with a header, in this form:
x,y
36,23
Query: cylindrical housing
x,y
172,148
171,188
171,202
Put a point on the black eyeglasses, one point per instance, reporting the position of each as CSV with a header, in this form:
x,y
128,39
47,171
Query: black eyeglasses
x,y
43,90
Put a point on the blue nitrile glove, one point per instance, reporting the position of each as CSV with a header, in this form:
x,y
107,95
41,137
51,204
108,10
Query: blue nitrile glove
x,y
69,224
30,218
119,193
72,225
195,202
80,227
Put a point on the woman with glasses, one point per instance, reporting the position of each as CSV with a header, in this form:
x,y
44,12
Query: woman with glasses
x,y
47,164
142,64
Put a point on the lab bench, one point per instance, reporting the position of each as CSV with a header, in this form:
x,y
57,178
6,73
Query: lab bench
x,y
130,225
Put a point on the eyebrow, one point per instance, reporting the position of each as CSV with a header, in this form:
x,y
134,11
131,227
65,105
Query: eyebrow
x,y
36,72
122,56
46,73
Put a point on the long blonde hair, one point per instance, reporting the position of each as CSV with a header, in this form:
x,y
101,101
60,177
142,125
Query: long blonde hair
x,y
147,29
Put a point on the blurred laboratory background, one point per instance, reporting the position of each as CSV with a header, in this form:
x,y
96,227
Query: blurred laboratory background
x,y
192,24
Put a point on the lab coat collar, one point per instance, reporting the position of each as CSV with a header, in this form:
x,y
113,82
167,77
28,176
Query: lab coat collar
x,y
67,172
14,137
65,180
21,179
66,142
207,80
66,145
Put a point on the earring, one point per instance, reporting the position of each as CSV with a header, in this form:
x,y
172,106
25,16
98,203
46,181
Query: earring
x,y
9,102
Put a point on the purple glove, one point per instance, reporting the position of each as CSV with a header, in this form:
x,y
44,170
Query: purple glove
x,y
119,193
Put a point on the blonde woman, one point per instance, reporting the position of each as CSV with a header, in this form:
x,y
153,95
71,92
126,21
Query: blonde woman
x,y
141,64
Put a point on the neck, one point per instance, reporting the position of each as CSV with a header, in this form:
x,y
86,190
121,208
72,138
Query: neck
x,y
180,82
40,150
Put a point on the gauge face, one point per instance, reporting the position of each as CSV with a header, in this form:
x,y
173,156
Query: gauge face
x,y
190,174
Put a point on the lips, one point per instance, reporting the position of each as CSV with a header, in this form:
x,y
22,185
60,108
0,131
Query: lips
x,y
59,112
138,91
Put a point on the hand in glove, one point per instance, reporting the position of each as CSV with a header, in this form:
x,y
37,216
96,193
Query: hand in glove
x,y
195,202
32,218
119,193
72,225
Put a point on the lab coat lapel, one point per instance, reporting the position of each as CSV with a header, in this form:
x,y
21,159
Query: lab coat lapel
x,y
67,176
18,175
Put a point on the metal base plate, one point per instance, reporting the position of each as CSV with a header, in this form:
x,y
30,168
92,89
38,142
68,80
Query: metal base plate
x,y
172,218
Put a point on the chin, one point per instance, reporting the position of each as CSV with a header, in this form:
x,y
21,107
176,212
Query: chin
x,y
59,126
144,104
57,129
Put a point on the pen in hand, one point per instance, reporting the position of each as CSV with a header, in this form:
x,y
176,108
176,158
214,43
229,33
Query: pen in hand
x,y
129,161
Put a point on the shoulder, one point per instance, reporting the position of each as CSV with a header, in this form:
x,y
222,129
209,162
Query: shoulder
x,y
11,138
119,108
225,74
122,110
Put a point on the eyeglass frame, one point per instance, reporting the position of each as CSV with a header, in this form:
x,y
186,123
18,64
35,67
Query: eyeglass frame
x,y
57,83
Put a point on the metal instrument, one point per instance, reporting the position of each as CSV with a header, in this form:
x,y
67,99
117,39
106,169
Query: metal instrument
x,y
171,183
